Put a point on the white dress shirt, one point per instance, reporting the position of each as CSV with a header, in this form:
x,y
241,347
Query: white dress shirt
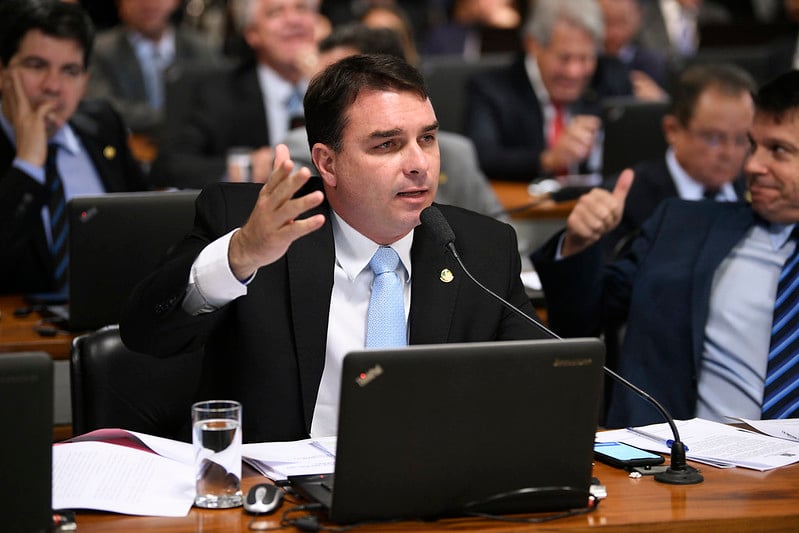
x,y
212,285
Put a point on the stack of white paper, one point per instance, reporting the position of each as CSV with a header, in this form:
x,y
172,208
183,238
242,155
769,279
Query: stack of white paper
x,y
712,443
278,460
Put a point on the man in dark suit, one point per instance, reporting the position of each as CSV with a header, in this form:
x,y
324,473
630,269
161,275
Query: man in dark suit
x,y
535,118
252,106
697,289
132,61
43,64
706,129
279,283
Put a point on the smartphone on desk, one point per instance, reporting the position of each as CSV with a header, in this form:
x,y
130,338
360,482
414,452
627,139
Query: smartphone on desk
x,y
625,456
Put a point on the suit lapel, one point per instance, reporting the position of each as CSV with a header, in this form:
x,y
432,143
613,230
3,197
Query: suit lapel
x,y
727,230
430,323
102,153
309,280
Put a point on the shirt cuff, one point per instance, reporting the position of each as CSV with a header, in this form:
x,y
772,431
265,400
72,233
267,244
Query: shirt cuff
x,y
211,281
31,170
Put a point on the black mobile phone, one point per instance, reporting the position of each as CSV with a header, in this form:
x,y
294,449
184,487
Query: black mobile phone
x,y
623,455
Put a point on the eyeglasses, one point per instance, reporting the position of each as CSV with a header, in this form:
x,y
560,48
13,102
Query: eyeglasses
x,y
714,139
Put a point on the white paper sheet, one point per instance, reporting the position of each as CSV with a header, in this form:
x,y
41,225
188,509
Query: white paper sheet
x,y
110,477
714,443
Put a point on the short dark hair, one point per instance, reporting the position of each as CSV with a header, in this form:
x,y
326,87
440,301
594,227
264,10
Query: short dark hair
x,y
364,39
730,79
331,92
779,96
54,18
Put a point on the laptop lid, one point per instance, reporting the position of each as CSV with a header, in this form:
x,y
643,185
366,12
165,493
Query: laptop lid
x,y
439,430
26,409
633,132
115,240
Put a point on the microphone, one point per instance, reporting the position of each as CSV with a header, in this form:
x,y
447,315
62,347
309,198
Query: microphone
x,y
678,472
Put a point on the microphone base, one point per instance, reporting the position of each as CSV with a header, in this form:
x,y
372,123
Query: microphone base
x,y
687,475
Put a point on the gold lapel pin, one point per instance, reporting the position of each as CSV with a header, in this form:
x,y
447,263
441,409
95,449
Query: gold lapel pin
x,y
446,275
109,152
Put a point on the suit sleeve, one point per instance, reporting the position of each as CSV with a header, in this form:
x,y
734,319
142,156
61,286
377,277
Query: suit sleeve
x,y
494,129
153,319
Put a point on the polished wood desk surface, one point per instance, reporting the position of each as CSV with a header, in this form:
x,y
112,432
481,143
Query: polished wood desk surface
x,y
18,334
513,196
728,500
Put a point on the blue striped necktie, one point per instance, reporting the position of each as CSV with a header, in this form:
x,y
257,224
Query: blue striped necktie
x,y
781,390
56,206
385,326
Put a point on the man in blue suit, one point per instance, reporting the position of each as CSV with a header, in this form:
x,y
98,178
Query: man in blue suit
x,y
697,289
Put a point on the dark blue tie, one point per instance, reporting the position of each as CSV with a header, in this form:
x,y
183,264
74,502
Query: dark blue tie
x,y
385,326
58,217
780,393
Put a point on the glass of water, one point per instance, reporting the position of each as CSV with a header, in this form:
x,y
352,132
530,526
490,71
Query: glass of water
x,y
216,436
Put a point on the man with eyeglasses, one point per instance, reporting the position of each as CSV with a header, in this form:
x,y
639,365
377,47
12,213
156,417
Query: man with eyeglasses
x,y
52,145
706,129
705,288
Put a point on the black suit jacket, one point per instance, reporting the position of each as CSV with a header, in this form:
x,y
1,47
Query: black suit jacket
x,y
653,183
267,349
227,110
26,264
506,123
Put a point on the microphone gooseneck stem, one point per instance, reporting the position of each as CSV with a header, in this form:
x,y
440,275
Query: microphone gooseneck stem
x,y
679,472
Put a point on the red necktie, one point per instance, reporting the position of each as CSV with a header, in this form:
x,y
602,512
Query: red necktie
x,y
558,125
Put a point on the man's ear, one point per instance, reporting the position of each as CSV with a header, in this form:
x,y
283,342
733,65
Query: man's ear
x,y
671,125
324,158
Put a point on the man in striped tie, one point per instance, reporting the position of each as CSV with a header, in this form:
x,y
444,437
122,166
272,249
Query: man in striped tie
x,y
52,145
708,290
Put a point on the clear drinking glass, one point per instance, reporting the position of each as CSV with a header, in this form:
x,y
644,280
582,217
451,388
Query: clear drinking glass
x,y
216,436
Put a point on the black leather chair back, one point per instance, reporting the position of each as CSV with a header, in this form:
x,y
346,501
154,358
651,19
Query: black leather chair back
x,y
114,387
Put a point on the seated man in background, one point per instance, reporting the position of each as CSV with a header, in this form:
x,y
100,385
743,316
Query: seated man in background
x,y
534,117
707,130
461,182
132,60
275,282
705,289
52,145
648,69
251,106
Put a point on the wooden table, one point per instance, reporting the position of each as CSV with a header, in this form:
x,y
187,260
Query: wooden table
x,y
18,334
513,197
729,500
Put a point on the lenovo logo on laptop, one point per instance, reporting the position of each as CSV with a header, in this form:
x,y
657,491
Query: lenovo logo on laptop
x,y
364,378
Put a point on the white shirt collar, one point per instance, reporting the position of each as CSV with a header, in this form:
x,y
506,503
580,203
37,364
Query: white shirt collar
x,y
690,189
354,250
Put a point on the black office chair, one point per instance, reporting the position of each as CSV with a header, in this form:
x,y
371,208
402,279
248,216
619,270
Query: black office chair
x,y
446,78
114,387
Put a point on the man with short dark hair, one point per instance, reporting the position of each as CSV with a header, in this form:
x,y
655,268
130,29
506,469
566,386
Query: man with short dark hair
x,y
707,131
275,280
45,47
710,318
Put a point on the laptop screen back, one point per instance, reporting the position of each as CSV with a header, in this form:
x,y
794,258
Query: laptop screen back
x,y
115,240
26,409
427,430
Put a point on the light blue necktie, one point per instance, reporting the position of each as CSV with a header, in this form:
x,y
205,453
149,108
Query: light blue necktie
x,y
385,326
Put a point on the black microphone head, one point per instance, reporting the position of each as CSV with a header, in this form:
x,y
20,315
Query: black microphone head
x,y
438,225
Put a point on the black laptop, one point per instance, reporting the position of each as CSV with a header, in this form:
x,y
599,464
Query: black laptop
x,y
431,431
633,132
115,240
26,409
